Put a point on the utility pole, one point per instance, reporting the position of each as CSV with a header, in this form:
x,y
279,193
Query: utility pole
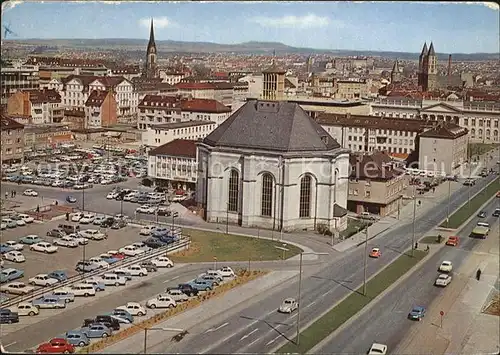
x,y
365,261
298,302
83,198
448,207
227,217
414,219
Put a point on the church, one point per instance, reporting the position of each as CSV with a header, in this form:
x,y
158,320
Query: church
x,y
270,165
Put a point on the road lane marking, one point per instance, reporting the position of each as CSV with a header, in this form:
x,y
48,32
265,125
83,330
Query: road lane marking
x,y
246,336
253,342
172,279
273,340
295,315
310,304
221,326
10,344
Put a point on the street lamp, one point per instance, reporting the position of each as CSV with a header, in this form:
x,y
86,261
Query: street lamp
x,y
174,214
83,197
414,219
227,217
181,331
300,287
365,260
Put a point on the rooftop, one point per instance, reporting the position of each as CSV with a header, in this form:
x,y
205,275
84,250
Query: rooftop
x,y
445,130
96,98
185,124
372,122
204,105
6,122
178,148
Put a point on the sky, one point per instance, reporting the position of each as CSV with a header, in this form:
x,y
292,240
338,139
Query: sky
x,y
383,26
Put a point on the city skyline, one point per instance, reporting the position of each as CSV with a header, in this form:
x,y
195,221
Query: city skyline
x,y
333,25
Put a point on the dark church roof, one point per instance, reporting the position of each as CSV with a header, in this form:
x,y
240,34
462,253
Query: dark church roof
x,y
272,125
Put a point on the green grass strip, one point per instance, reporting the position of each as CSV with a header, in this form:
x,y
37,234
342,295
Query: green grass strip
x,y
354,303
467,210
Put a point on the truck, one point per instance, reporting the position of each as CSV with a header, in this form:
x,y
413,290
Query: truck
x,y
480,232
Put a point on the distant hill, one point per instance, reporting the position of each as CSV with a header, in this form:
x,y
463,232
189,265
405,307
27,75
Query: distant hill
x,y
131,44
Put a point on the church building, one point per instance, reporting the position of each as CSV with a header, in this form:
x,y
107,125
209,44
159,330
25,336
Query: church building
x,y
270,165
150,68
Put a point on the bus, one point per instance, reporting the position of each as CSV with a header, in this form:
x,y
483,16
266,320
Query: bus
x,y
480,232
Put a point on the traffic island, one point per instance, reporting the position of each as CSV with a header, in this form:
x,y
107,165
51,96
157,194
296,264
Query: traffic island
x,y
242,277
470,208
352,304
431,239
209,246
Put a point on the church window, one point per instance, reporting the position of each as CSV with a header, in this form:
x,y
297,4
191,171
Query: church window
x,y
305,197
234,189
267,195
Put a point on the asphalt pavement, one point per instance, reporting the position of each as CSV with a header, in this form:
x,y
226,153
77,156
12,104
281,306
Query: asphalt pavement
x,y
259,328
386,321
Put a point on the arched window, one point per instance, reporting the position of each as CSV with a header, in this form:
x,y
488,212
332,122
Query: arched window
x,y
473,132
305,197
487,132
267,195
234,191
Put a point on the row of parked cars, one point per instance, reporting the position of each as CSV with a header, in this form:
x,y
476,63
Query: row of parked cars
x,y
104,325
15,220
104,221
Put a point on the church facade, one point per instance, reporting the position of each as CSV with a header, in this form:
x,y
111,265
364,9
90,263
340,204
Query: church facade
x,y
270,165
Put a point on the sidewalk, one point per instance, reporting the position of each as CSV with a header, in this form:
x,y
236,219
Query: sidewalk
x,y
465,329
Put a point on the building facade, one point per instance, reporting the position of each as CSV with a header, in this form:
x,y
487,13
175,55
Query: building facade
x,y
12,150
273,83
204,110
269,165
352,89
100,109
158,109
161,134
42,106
16,78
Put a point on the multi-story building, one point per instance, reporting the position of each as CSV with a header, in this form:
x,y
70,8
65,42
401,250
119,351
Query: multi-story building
x,y
224,93
128,72
18,77
42,106
204,110
174,164
75,118
152,86
196,90
352,89
100,109
39,136
273,83
171,77
376,184
158,109
481,118
164,133
12,133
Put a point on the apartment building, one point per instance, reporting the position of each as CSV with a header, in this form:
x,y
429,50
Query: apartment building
x,y
48,136
100,109
42,106
352,89
174,164
196,90
128,72
74,118
152,86
481,118
171,77
12,133
376,184
161,134
18,77
158,109
204,110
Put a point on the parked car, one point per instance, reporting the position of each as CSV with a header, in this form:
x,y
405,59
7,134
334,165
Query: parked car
x,y
98,220
86,266
107,222
188,289
134,270
19,221
213,279
202,285
56,233
95,282
161,301
17,288
70,199
112,279
87,218
10,274
66,241
122,316
25,309
8,317
26,218
226,272
49,302
118,224
123,273
99,261
131,250
69,228
83,290
14,256
97,330
42,280
110,259
149,266
417,313
134,309
64,294
117,254
160,232
154,243
77,338
30,239
14,245
162,261
79,238
93,234
147,230
44,247
76,217
4,248
9,223
109,322
60,275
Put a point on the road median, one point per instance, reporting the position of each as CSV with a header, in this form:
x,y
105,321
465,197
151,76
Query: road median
x,y
352,304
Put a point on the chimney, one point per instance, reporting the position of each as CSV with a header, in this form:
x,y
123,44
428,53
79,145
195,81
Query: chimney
x,y
449,65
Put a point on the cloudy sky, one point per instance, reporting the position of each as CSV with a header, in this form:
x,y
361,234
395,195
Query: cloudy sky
x,y
397,26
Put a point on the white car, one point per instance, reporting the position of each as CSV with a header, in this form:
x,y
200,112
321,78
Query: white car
x,y
42,280
17,288
147,230
226,271
76,217
161,301
133,270
14,245
98,220
20,222
30,192
443,280
176,294
93,234
87,218
146,209
288,305
162,261
131,250
66,241
141,245
112,279
25,309
26,218
44,247
377,349
98,261
112,195
446,266
134,309
15,256
78,238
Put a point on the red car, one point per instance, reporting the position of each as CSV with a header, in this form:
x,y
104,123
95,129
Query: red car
x,y
117,254
56,346
498,194
375,253
453,241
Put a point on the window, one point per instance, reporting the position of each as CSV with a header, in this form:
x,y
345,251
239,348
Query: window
x,y
234,189
267,195
367,194
305,197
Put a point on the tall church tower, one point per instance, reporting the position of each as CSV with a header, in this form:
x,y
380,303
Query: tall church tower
x,y
432,70
396,73
151,55
273,80
421,65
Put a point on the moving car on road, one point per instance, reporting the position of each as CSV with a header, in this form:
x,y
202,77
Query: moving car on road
x,y
288,305
480,232
377,349
446,266
17,288
70,199
417,313
44,247
30,192
496,213
14,256
481,214
42,280
453,241
375,253
443,280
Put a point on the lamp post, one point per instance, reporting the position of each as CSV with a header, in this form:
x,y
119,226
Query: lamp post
x,y
174,214
121,206
83,197
297,339
227,217
365,261
448,206
414,219
161,329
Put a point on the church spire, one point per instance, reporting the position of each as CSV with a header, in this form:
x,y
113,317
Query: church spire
x,y
424,50
151,43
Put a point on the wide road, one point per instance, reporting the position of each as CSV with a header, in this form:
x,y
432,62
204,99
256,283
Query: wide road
x,y
259,328
386,322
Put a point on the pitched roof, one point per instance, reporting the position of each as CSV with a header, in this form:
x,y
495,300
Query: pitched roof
x,y
274,69
424,50
184,124
178,147
96,98
204,105
445,130
7,122
86,80
270,125
44,96
160,101
375,166
195,86
373,122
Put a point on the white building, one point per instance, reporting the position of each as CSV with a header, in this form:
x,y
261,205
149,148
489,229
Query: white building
x,y
196,90
272,166
18,77
160,134
255,84
174,164
204,110
171,77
